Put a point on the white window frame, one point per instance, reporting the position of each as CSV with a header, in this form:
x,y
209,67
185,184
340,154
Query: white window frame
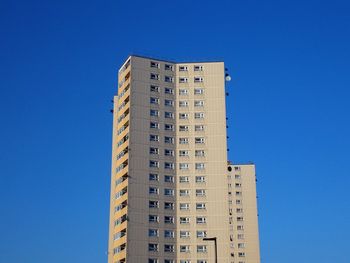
x,y
153,218
183,91
184,192
184,206
198,91
154,125
200,179
199,103
184,179
184,166
168,90
199,115
198,79
183,103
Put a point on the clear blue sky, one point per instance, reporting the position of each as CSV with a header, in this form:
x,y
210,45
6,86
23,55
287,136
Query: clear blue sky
x,y
288,112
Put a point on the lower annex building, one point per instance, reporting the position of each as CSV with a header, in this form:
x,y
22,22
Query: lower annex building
x,y
171,185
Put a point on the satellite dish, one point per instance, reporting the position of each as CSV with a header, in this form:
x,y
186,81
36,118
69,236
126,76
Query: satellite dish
x,y
228,78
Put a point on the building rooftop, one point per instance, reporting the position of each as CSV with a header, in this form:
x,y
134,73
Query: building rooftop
x,y
174,62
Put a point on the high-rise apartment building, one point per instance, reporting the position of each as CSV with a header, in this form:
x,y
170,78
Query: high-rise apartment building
x,y
170,184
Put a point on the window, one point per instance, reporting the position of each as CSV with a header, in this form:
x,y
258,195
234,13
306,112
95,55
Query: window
x,y
200,166
168,127
237,168
240,219
152,232
184,220
201,248
154,138
184,179
183,80
184,192
169,248
183,128
168,67
199,153
183,116
198,79
201,220
238,193
239,210
241,254
168,165
183,153
169,261
153,247
168,219
153,164
183,91
201,261
150,260
169,115
154,100
183,166
168,91
153,150
238,185
239,227
200,179
238,202
168,152
154,88
183,68
185,261
184,206
154,76
199,115
169,205
237,176
240,245
183,140
168,139
200,206
154,113
169,234
153,204
153,190
197,68
154,64
184,234
184,248
199,140
154,125
168,79
198,91
153,177
200,192
183,103
168,178
201,234
153,219
199,128
168,103
198,103
168,192
121,193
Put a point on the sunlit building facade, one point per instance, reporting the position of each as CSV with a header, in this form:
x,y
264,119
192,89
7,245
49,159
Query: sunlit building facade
x,y
170,184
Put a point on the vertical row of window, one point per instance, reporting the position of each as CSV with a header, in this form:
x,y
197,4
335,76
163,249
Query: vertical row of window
x,y
236,218
154,189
